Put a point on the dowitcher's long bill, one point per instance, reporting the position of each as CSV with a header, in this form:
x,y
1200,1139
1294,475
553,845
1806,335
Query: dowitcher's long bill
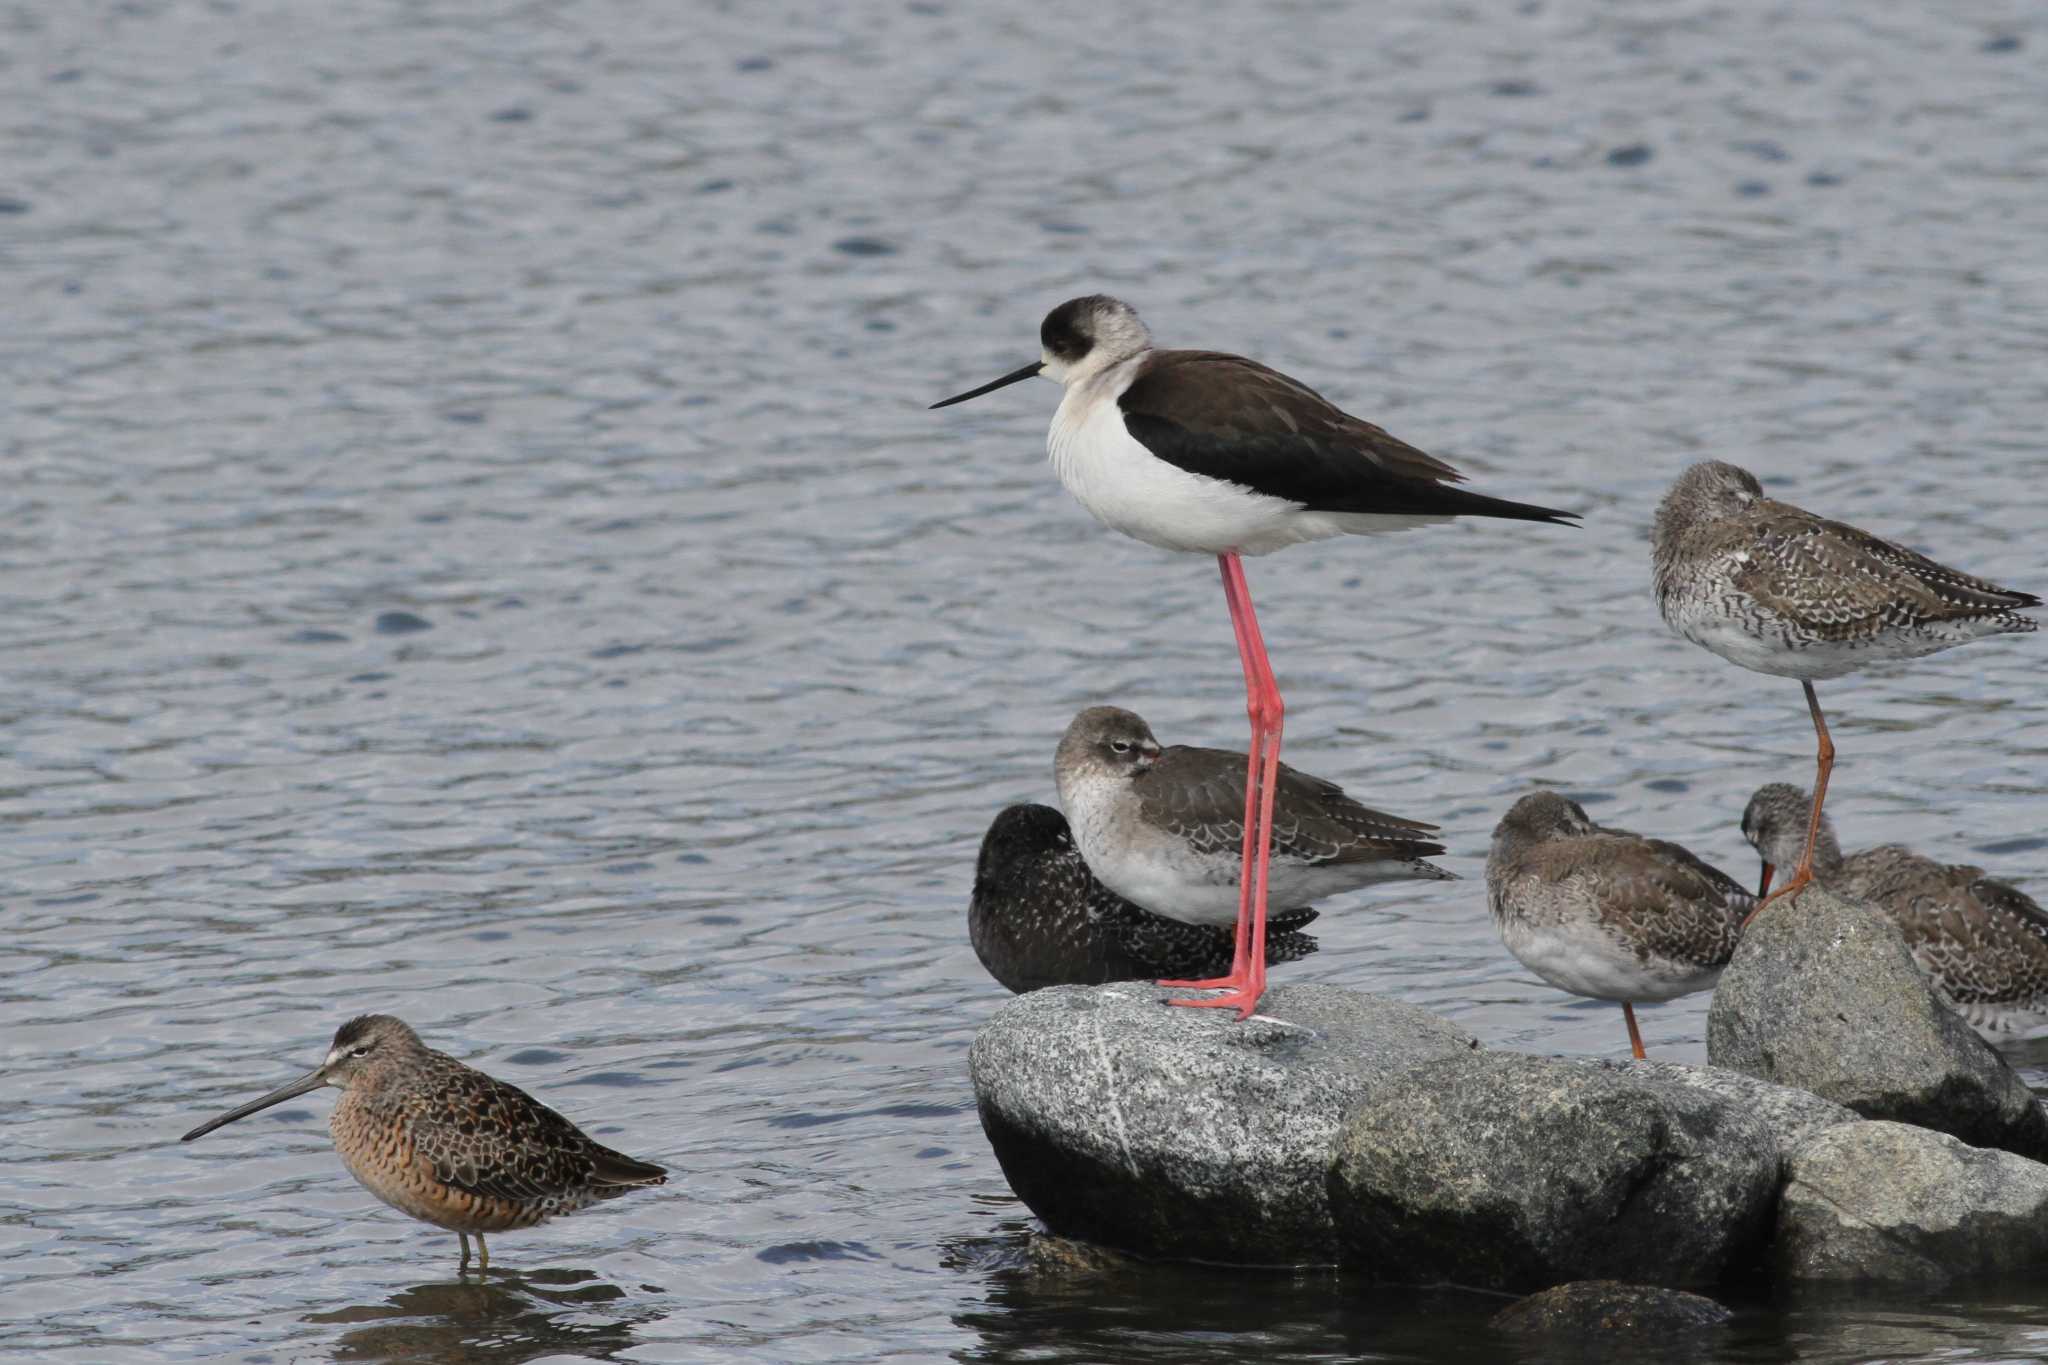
x,y
1778,590
1210,453
1608,914
1163,827
1039,917
1982,941
448,1145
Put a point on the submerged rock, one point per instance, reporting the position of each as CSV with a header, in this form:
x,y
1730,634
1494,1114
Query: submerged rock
x,y
1515,1172
1823,995
1888,1203
1595,1310
1182,1133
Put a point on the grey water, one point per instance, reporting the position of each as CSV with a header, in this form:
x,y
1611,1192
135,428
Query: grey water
x,y
472,546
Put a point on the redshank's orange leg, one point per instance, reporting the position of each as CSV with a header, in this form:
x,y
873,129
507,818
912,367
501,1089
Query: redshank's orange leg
x,y
1635,1035
1262,767
1824,763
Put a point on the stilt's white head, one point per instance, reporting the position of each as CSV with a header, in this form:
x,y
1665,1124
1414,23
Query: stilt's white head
x,y
1080,338
1085,336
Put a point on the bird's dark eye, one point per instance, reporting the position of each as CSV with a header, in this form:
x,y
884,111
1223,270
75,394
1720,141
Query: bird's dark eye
x,y
1122,746
362,1051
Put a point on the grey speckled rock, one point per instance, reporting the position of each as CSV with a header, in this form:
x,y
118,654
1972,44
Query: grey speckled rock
x,y
1791,1115
1182,1133
1893,1204
1597,1310
1822,995
1516,1172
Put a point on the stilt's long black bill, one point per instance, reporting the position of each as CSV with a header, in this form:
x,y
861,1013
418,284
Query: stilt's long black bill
x,y
311,1081
1028,372
1764,886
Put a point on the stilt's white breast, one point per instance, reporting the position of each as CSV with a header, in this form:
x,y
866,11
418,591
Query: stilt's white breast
x,y
1129,489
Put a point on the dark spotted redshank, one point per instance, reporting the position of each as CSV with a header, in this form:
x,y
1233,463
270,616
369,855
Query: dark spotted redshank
x,y
1039,917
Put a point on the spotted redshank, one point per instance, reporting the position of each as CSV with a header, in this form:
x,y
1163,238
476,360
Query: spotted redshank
x,y
1778,590
1605,913
448,1145
1040,918
1209,453
1983,942
1163,827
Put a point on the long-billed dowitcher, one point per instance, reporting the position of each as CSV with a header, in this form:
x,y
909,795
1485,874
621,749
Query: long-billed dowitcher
x,y
1779,590
1161,827
1039,917
1208,453
447,1144
1983,942
1605,913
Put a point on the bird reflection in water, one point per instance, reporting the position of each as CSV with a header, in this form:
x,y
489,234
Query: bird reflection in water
x,y
502,1320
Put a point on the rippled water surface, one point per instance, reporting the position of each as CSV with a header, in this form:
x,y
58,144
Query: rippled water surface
x,y
472,546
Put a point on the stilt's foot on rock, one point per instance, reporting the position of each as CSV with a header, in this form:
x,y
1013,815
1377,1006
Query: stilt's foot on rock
x,y
1236,997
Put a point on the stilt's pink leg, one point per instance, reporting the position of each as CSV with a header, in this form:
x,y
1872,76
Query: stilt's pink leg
x,y
1235,594
1247,981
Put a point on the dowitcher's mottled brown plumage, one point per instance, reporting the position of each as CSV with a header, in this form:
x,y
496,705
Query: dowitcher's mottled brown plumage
x,y
447,1144
1984,942
1040,918
1779,590
1605,913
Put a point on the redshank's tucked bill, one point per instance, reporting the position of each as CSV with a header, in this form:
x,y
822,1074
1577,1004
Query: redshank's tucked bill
x,y
1778,590
1164,827
1983,942
1209,453
1605,913
1039,917
448,1145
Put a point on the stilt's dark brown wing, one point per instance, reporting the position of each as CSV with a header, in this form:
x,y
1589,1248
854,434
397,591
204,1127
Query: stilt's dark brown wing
x,y
1234,419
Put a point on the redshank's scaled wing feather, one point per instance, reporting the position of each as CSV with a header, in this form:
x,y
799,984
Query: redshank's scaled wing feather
x,y
1659,897
1843,583
2009,899
1230,418
1198,795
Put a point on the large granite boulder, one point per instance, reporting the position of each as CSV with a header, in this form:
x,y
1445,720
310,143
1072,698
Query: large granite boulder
x,y
1888,1203
1517,1172
1597,1312
1791,1115
1184,1133
1823,995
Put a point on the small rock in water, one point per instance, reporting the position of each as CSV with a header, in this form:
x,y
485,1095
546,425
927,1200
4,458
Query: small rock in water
x,y
401,623
1596,1309
864,246
1509,1171
1823,995
1888,1203
1183,1133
